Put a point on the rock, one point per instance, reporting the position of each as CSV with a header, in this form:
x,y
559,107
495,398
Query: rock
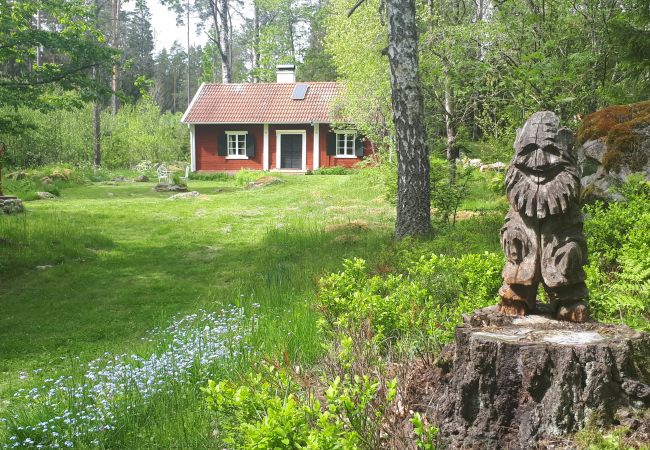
x,y
614,143
476,163
183,195
45,195
120,179
263,182
19,175
141,179
517,381
162,187
47,180
496,167
110,194
11,205
44,267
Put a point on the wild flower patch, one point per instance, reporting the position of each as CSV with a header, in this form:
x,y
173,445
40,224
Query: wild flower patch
x,y
80,411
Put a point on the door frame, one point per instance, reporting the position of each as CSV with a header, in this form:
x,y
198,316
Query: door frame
x,y
278,147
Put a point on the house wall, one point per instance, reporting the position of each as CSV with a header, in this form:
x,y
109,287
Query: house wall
x,y
207,141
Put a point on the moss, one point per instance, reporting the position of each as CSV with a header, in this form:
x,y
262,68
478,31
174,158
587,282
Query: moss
x,y
618,126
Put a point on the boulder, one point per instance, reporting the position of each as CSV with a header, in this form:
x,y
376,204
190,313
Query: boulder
x,y
613,143
11,205
141,179
19,175
184,195
120,179
45,195
163,187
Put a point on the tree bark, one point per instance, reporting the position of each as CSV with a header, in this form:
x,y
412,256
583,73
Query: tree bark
x,y
256,44
115,16
221,17
413,195
97,109
511,382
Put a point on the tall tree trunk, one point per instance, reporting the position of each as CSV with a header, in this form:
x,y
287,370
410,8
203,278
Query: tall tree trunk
x,y
256,43
115,18
413,195
39,47
224,35
452,149
188,54
97,110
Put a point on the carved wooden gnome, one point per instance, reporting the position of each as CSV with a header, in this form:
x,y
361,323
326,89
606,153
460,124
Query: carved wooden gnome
x,y
542,237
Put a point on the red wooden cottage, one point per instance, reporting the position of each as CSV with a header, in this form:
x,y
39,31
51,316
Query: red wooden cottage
x,y
269,126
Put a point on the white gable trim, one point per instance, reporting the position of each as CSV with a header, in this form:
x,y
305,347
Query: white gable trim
x,y
192,148
189,107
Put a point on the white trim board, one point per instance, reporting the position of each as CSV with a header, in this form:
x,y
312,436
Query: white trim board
x,y
189,107
316,145
265,146
192,148
278,147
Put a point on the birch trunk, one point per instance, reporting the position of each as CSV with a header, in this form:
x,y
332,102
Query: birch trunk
x,y
115,15
413,196
97,154
224,41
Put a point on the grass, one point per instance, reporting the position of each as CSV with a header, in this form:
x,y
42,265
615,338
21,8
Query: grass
x,y
118,259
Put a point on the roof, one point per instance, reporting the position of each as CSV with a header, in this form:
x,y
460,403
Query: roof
x,y
261,103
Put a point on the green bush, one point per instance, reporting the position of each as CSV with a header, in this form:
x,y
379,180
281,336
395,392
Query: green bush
x,y
270,409
618,275
245,176
217,176
428,299
137,132
336,170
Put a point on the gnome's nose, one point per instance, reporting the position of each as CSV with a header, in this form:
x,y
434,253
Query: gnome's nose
x,y
544,159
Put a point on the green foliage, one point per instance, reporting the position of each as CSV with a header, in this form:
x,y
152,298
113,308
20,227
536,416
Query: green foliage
x,y
137,132
270,409
336,170
217,176
427,299
449,187
73,44
591,438
618,275
245,176
426,434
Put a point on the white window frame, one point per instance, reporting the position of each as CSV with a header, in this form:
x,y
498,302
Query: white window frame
x,y
346,151
234,135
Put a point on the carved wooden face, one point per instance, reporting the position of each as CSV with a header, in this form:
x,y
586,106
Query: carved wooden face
x,y
542,178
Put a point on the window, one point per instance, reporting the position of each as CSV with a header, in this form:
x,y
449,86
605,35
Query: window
x,y
236,144
345,143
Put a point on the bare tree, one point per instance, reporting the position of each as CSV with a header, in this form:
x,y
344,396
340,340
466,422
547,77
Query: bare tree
x,y
115,23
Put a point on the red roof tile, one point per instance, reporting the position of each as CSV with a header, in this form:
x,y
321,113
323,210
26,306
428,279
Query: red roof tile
x,y
261,103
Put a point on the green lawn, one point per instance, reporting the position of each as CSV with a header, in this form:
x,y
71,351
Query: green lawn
x,y
118,260
126,259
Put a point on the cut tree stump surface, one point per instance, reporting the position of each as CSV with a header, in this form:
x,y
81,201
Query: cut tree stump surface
x,y
518,381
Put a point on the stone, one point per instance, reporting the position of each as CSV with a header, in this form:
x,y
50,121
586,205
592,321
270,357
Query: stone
x,y
495,167
44,267
263,182
45,195
476,163
517,381
162,187
19,175
11,205
47,180
542,237
141,179
614,143
184,195
120,179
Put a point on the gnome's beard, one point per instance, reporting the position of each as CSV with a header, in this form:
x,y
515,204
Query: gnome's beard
x,y
541,195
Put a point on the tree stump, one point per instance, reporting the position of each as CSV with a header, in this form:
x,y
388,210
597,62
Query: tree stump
x,y
517,381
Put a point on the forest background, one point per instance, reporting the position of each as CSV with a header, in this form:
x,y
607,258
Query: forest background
x,y
81,83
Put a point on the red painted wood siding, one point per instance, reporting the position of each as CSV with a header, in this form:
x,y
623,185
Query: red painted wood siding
x,y
207,142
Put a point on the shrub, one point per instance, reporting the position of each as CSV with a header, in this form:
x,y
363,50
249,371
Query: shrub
x,y
336,170
427,299
618,275
217,176
270,409
245,176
